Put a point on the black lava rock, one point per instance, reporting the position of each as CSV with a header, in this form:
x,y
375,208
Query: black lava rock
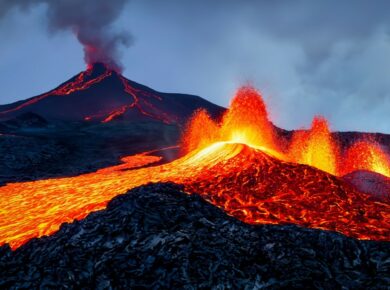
x,y
158,237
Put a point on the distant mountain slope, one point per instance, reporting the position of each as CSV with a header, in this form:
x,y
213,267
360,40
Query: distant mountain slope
x,y
102,95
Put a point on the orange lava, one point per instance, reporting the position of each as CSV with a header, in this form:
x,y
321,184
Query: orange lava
x,y
246,121
315,147
201,131
236,164
364,155
259,189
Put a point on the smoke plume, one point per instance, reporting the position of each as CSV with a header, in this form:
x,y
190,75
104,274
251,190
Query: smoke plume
x,y
89,20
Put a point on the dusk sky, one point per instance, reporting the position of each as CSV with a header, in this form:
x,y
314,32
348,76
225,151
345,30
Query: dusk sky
x,y
306,57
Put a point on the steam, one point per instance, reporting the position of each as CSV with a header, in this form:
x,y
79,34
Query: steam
x,y
89,20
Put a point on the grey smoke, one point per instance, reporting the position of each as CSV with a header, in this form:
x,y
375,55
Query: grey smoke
x,y
307,57
89,20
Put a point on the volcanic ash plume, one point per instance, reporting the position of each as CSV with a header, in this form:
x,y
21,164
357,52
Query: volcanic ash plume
x,y
90,21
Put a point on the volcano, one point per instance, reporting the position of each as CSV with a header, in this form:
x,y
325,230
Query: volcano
x,y
100,94
239,165
236,179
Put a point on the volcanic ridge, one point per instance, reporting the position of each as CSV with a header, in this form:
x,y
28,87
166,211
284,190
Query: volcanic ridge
x,y
100,94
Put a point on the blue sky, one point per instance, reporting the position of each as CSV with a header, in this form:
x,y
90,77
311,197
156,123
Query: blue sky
x,y
306,57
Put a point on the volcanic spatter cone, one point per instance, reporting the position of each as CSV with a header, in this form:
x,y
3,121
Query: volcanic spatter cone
x,y
239,164
101,94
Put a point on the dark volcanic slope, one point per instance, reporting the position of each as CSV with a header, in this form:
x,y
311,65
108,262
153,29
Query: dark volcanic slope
x,y
158,237
99,94
28,153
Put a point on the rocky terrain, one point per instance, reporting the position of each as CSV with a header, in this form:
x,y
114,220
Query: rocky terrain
x,y
157,236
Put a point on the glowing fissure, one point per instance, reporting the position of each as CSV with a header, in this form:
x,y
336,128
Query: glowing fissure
x,y
81,82
238,164
161,116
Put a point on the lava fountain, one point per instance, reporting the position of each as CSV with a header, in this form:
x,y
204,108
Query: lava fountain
x,y
315,147
246,121
238,164
364,155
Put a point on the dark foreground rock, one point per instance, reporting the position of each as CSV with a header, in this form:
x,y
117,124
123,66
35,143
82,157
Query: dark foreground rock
x,y
158,237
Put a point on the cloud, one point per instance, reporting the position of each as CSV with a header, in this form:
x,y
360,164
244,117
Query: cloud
x,y
307,57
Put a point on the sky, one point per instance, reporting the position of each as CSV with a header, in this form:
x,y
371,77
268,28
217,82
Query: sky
x,y
307,58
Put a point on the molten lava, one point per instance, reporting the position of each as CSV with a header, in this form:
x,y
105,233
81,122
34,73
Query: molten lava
x,y
315,147
201,131
237,164
364,155
246,121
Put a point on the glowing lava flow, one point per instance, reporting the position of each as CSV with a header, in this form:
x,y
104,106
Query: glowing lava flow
x,y
259,189
242,180
242,171
33,209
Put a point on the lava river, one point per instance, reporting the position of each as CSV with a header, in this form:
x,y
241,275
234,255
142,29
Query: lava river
x,y
237,165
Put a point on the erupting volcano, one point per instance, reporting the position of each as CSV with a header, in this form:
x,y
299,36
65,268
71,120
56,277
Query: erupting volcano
x,y
240,164
101,94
